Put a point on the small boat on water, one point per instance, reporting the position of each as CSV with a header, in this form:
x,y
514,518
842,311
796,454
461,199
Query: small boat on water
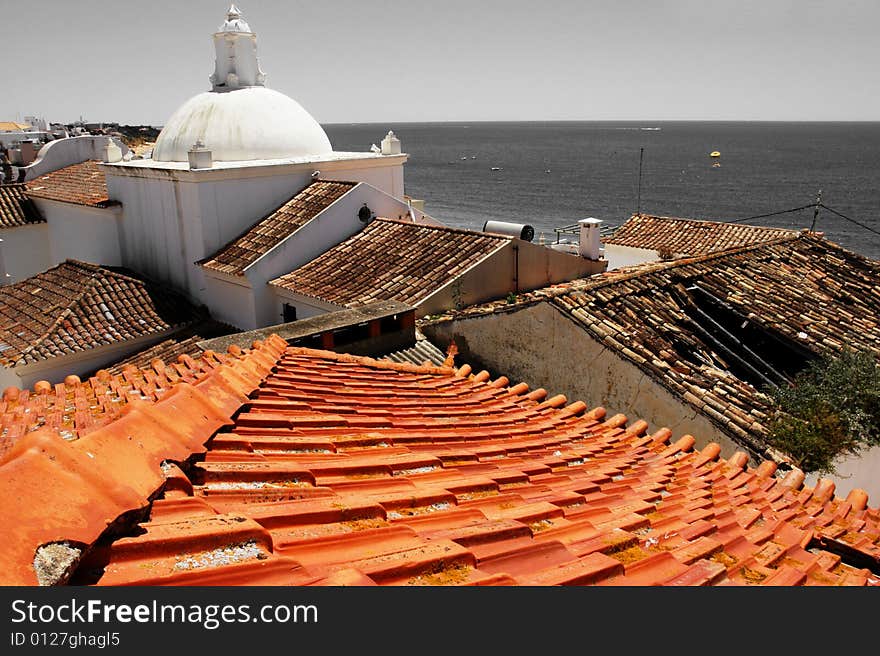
x,y
497,168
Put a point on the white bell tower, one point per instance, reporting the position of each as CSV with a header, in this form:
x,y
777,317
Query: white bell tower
x,y
235,60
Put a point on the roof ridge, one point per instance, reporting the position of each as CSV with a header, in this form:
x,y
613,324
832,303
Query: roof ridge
x,y
709,221
445,228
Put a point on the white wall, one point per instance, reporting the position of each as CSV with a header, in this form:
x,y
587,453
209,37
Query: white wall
x,y
519,266
622,256
24,251
64,152
230,299
305,305
81,232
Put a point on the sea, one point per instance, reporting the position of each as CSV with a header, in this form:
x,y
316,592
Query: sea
x,y
551,174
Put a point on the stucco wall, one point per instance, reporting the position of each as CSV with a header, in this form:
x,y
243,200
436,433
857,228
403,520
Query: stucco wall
x,y
499,274
542,347
24,252
621,256
861,471
230,301
64,152
80,232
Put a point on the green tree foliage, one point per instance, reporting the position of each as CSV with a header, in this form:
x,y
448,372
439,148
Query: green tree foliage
x,y
832,409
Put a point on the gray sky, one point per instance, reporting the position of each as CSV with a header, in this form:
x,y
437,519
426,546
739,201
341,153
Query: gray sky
x,y
417,60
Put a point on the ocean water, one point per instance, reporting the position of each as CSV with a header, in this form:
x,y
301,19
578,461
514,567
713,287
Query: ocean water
x,y
551,174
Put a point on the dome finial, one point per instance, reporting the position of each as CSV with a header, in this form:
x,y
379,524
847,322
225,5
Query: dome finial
x,y
235,62
234,22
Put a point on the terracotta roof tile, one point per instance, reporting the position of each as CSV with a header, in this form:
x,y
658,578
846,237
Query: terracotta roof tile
x,y
16,207
306,475
77,306
683,237
243,251
81,184
391,260
184,342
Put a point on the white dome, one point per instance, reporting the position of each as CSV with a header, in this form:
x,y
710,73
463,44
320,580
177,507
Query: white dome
x,y
250,123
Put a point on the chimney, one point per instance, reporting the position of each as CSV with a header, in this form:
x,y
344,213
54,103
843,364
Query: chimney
x,y
199,156
589,244
390,144
112,152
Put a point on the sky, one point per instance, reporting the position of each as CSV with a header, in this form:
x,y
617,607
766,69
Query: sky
x,y
364,61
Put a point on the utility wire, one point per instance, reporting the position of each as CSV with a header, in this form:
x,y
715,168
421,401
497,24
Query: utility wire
x,y
842,216
761,216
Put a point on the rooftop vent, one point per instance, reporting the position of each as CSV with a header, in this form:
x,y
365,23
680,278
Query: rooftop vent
x,y
519,230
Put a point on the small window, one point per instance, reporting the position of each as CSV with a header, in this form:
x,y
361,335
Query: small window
x,y
289,312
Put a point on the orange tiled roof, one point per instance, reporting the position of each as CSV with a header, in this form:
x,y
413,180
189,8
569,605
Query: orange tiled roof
x,y
81,184
184,342
76,306
321,468
16,208
243,251
683,237
391,260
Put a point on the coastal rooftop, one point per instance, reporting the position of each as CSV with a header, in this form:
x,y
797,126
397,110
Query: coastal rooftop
x,y
292,466
677,237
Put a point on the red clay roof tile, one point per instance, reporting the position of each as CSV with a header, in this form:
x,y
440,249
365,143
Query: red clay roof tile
x,y
391,260
16,207
571,500
76,306
81,184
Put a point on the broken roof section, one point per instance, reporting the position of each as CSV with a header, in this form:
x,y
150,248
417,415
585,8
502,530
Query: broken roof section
x,y
391,260
16,207
81,184
268,233
76,306
323,468
684,237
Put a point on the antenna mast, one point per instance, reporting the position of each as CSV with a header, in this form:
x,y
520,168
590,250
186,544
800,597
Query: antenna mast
x,y
639,197
816,211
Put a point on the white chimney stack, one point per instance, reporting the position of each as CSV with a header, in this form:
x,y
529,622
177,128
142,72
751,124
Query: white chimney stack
x,y
199,156
390,144
589,243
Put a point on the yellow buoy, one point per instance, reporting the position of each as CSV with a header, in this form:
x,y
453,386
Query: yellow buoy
x,y
714,153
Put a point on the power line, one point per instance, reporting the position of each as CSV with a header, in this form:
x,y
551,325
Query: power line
x,y
761,216
843,216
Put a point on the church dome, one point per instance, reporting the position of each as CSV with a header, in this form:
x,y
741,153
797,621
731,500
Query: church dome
x,y
240,119
250,123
